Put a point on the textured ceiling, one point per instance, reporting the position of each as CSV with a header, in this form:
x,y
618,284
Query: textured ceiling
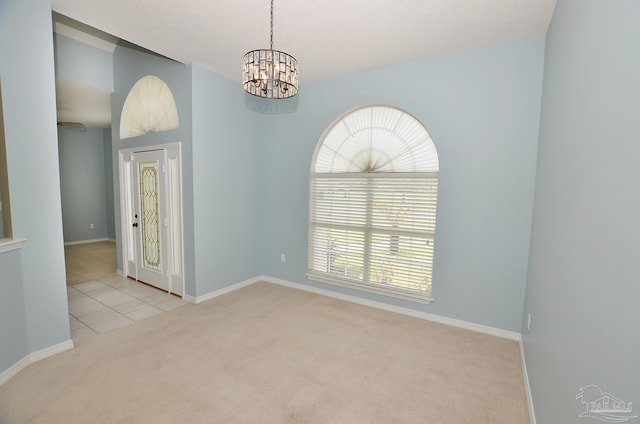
x,y
82,104
328,37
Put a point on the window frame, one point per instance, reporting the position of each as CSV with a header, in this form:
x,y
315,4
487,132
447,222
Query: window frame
x,y
367,231
7,241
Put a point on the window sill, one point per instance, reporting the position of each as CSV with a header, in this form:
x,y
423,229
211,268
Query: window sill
x,y
395,293
9,244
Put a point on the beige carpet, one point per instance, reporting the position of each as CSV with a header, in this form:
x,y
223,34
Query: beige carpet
x,y
90,261
271,354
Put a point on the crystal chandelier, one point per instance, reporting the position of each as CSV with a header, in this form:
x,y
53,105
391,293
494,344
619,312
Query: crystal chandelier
x,y
271,74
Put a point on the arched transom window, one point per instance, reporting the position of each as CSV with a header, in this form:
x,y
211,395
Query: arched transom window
x,y
149,108
373,196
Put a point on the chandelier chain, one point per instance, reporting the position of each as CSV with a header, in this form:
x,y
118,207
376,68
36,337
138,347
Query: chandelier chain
x,y
271,43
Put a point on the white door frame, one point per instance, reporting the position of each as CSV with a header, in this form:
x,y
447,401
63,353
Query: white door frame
x,y
148,270
174,266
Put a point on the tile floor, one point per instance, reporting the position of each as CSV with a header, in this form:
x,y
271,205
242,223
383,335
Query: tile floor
x,y
99,306
90,261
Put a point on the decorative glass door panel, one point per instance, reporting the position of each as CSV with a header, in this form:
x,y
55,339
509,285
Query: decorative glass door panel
x,y
149,221
150,214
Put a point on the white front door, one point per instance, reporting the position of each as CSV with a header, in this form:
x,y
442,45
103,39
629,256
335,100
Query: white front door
x,y
151,216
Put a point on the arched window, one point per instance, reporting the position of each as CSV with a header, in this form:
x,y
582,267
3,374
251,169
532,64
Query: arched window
x,y
149,108
373,196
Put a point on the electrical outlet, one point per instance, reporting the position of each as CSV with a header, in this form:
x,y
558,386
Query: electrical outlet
x,y
528,321
283,258
91,226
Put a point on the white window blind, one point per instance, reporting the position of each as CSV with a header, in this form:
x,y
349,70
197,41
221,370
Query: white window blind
x,y
374,230
373,199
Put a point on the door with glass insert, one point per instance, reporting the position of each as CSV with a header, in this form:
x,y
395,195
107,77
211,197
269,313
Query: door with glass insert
x,y
150,217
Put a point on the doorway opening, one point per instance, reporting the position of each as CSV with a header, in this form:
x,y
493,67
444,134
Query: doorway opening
x,y
151,216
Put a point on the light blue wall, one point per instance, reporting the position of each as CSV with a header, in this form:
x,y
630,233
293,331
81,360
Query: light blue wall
x,y
13,325
225,140
87,65
83,64
82,181
482,110
131,64
583,284
108,182
28,89
219,180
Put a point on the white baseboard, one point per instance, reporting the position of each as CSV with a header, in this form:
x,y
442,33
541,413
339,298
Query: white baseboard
x,y
9,373
527,387
505,334
51,350
14,369
220,292
511,335
71,243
